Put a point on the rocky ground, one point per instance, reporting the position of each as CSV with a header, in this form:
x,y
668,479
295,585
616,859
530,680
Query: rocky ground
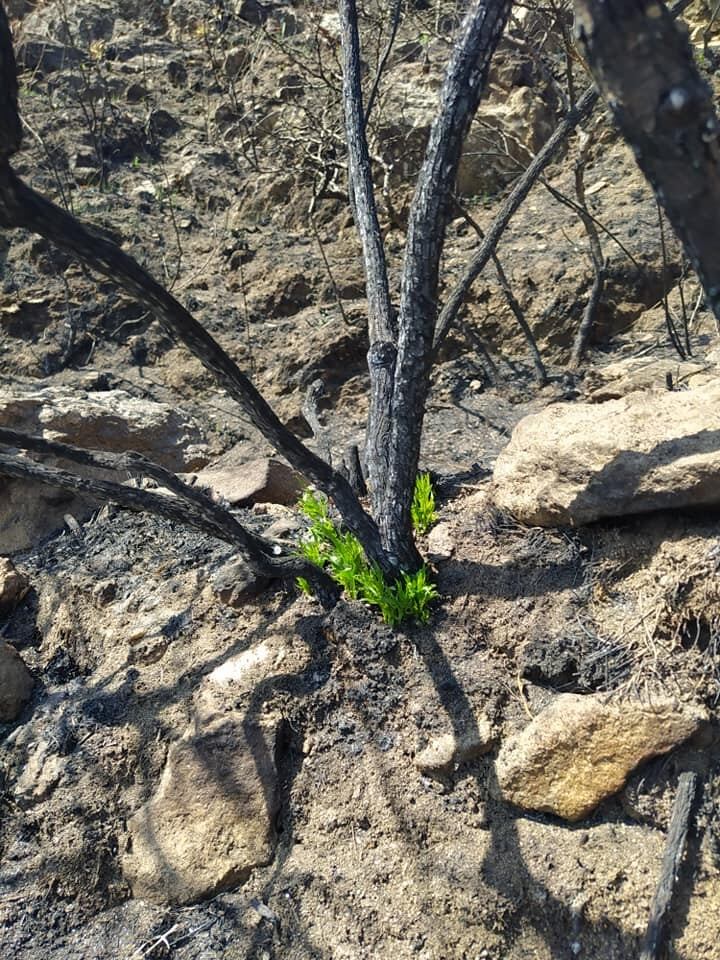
x,y
198,765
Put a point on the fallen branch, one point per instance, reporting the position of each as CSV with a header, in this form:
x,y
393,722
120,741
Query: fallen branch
x,y
674,850
188,505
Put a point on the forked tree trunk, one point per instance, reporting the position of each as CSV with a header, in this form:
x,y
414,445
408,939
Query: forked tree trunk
x,y
400,354
644,66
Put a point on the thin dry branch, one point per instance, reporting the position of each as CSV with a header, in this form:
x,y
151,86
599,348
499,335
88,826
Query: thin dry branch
x,y
382,325
674,850
524,184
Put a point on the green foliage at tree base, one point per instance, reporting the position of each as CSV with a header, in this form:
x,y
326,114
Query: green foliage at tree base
x,y
342,556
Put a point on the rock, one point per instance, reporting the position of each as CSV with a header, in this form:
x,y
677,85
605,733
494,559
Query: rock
x,y
16,683
235,583
12,585
643,373
46,57
18,8
514,124
266,480
177,73
445,752
162,124
580,750
237,61
107,420
440,543
252,11
211,821
576,463
102,420
42,771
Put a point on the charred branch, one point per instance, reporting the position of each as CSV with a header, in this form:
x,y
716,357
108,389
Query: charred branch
x,y
21,206
183,504
459,98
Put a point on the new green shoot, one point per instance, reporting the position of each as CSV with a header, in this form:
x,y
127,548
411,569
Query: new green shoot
x,y
422,510
342,555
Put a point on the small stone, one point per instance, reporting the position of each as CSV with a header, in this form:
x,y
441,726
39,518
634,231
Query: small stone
x,y
136,92
177,73
252,11
445,752
235,583
16,683
236,62
12,585
580,750
440,542
266,480
42,772
145,190
162,124
211,820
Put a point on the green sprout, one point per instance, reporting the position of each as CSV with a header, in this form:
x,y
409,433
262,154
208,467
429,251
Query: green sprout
x,y
342,555
422,510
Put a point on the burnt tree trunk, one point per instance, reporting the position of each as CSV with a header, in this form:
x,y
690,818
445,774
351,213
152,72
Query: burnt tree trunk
x,y
644,67
400,354
433,200
382,328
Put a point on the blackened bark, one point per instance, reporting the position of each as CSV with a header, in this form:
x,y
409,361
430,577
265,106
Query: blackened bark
x,y
382,329
672,860
644,66
10,128
459,98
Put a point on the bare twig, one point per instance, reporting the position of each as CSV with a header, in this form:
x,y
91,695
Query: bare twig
x,y
596,255
394,24
511,299
669,322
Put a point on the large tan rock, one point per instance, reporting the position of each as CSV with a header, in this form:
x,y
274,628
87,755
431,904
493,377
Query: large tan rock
x,y
16,683
111,420
211,821
581,749
576,463
513,124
